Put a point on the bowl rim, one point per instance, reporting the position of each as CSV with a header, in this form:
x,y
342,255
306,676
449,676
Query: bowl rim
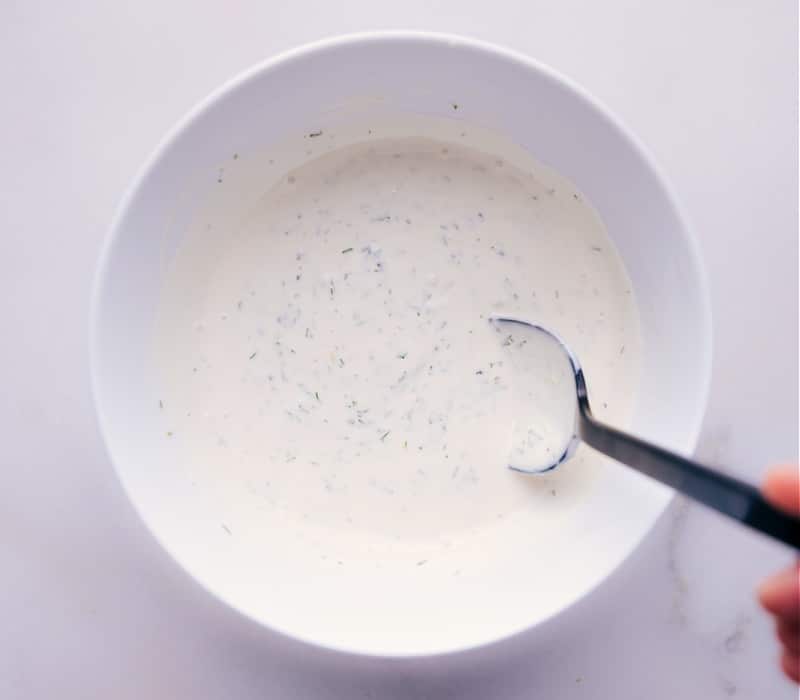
x,y
151,163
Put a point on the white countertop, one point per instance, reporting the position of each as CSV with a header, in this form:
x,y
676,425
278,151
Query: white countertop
x,y
91,607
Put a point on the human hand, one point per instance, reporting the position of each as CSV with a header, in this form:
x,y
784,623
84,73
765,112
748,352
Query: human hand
x,y
780,594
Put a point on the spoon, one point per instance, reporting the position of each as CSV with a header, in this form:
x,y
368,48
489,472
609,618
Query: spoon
x,y
554,378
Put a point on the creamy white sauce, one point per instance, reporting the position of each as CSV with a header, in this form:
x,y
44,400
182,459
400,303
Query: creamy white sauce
x,y
328,369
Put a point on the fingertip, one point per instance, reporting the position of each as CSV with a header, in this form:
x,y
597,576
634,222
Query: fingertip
x,y
780,595
782,488
789,636
790,663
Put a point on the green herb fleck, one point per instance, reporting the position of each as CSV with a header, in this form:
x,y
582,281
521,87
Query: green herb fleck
x,y
253,355
402,355
347,250
385,435
314,134
316,396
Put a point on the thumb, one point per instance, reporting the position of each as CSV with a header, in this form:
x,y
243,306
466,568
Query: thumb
x,y
782,488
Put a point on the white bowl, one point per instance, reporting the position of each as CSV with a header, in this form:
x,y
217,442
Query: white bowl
x,y
425,74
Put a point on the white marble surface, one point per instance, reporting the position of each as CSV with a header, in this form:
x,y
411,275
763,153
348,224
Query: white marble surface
x,y
92,609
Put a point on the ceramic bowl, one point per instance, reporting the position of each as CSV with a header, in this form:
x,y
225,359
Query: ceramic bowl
x,y
525,580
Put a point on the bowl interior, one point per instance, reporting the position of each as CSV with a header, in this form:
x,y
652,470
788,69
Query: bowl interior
x,y
525,578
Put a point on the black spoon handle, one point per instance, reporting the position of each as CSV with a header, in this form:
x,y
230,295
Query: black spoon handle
x,y
729,496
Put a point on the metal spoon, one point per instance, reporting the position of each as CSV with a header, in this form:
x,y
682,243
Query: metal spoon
x,y
729,496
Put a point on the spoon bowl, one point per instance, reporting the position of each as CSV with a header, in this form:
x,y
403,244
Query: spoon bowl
x,y
544,432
